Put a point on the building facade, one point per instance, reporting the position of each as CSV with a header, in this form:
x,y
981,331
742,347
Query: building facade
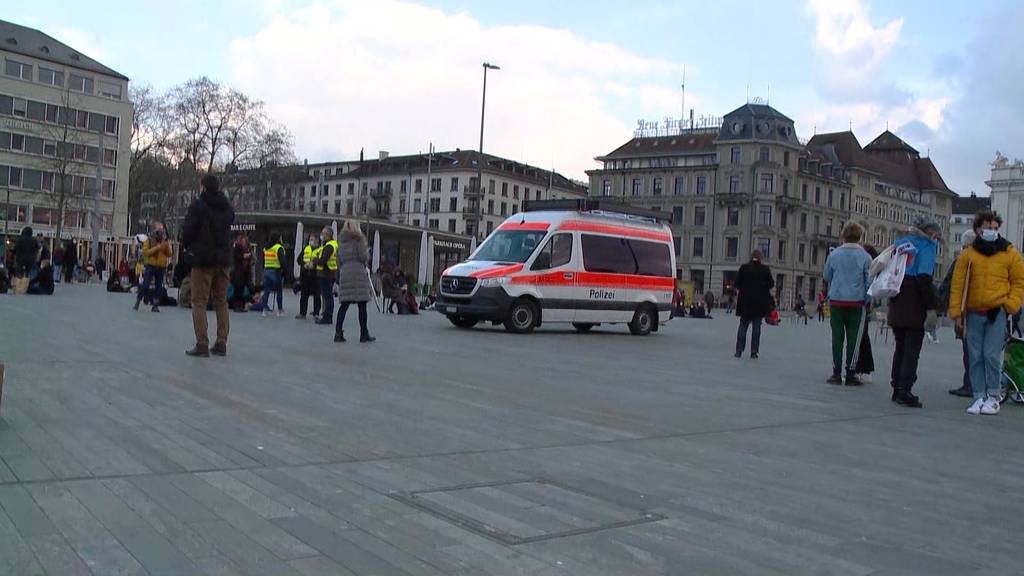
x,y
1007,195
65,130
749,183
962,219
435,191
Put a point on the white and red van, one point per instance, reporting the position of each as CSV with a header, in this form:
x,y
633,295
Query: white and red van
x,y
584,262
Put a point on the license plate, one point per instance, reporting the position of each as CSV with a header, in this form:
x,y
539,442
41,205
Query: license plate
x,y
449,309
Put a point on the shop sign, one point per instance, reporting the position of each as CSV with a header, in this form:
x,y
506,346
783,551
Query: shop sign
x,y
243,227
449,244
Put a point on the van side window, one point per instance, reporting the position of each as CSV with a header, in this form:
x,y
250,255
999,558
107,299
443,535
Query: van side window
x,y
625,256
557,252
607,254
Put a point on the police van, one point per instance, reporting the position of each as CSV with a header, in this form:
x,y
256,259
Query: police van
x,y
586,262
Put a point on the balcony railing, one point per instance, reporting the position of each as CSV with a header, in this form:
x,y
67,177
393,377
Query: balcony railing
x,y
472,191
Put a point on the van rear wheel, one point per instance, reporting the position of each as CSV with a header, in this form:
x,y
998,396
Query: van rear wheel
x,y
582,326
643,320
462,321
522,317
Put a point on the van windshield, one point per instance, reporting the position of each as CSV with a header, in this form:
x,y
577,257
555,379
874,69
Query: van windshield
x,y
514,246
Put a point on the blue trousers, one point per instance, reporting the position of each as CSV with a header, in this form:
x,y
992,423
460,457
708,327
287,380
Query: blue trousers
x,y
985,351
272,281
152,281
327,296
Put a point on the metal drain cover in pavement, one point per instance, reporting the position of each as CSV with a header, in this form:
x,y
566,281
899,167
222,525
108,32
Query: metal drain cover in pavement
x,y
525,511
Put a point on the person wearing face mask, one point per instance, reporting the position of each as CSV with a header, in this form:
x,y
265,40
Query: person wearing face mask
x,y
913,310
992,273
326,265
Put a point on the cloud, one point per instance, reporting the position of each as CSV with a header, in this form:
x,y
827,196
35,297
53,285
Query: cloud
x,y
985,117
393,75
850,52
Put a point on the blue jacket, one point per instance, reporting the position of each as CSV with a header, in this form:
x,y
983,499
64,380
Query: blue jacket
x,y
922,261
846,271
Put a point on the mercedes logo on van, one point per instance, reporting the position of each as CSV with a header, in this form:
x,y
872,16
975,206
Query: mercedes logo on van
x,y
455,284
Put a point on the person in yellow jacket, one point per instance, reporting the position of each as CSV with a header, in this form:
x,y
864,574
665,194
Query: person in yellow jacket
x,y
156,252
992,274
327,273
273,279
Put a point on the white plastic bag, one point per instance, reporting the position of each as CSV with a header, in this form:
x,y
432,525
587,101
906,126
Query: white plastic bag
x,y
887,283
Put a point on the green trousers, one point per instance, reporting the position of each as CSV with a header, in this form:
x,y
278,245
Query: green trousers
x,y
845,327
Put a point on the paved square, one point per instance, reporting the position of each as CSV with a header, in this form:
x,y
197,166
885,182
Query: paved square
x,y
445,452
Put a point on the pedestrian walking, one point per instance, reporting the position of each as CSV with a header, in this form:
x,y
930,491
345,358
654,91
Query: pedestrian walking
x,y
206,239
327,273
273,281
156,253
992,273
70,261
846,272
820,299
241,272
353,280
101,266
309,283
913,310
754,283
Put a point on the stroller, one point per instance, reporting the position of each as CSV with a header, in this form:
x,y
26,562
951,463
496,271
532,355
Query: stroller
x,y
1013,371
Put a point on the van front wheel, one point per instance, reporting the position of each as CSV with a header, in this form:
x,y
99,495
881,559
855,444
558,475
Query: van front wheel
x,y
643,320
522,317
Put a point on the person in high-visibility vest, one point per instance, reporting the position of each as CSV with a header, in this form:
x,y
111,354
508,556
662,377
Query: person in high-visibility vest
x,y
327,272
273,258
309,283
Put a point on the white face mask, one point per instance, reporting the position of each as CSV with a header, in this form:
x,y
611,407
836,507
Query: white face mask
x,y
989,235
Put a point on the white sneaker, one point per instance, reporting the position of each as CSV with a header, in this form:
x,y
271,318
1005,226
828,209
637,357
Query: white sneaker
x,y
280,313
263,314
866,378
975,408
990,407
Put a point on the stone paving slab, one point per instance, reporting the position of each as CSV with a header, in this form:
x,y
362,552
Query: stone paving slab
x,y
297,456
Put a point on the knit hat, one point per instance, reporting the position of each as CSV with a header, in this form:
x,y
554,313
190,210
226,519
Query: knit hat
x,y
924,223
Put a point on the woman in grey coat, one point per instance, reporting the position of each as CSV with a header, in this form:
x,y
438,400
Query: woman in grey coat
x,y
353,281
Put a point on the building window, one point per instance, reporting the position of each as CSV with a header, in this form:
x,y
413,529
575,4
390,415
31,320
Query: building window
x,y
433,223
801,253
606,188
20,107
699,215
734,185
828,227
817,195
785,186
504,189
435,205
537,193
803,192
732,247
733,216
817,224
765,154
109,90
765,246
803,223
702,182
337,206
490,206
785,158
734,155
637,186
515,191
51,77
677,215
678,242
657,185
453,204
782,251
490,186
451,225
80,83
418,186
829,197
698,247
764,215
435,184
504,208
490,227
18,69
455,184
783,219
697,277
767,184
814,257
842,200
680,186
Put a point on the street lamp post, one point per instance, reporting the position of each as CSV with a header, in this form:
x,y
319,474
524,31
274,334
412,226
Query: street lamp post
x,y
480,160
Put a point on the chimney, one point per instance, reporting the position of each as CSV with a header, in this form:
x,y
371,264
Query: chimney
x,y
383,155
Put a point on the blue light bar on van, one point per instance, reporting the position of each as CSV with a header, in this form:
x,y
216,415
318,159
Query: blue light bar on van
x,y
599,205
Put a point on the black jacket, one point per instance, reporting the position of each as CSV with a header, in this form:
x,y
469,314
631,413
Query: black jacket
x,y
754,282
206,232
26,248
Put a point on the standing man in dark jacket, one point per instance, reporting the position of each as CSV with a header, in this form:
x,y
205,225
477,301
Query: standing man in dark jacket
x,y
206,237
327,272
70,260
309,283
26,252
754,283
912,312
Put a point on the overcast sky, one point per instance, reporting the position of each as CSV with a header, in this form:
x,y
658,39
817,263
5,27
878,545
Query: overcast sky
x,y
576,76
